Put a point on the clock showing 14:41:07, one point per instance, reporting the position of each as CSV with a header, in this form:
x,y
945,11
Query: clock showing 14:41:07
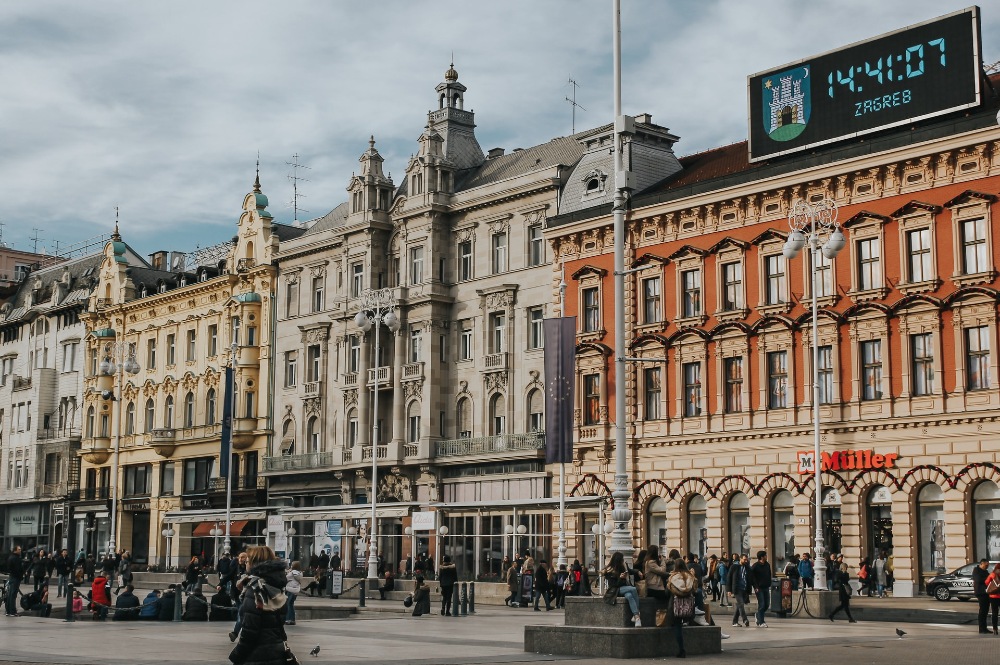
x,y
894,67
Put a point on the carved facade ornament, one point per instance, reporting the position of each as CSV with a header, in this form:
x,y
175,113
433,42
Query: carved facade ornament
x,y
169,385
496,382
292,277
318,271
499,300
465,235
351,397
536,216
394,487
190,381
211,378
413,389
150,389
398,205
130,391
316,335
501,225
312,406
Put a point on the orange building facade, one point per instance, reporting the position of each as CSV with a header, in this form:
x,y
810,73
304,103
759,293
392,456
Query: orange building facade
x,y
720,410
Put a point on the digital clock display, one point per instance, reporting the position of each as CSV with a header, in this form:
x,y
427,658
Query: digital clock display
x,y
918,72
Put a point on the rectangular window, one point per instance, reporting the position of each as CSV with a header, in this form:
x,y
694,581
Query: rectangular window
x,y
292,299
465,341
248,405
591,310
974,246
823,275
653,393
871,369
732,294
923,363
197,473
213,340
733,368
777,287
69,356
353,353
498,330
251,335
171,350
234,328
318,300
291,369
313,363
151,354
357,279
416,341
464,260
825,368
692,389
138,480
591,399
977,357
869,266
691,293
652,300
191,349
416,265
536,245
777,380
535,332
251,466
499,246
918,244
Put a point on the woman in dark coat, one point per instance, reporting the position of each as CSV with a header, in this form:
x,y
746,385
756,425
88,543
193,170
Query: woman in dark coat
x,y
262,638
843,582
421,597
192,574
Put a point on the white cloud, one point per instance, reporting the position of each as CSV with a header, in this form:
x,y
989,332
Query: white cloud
x,y
160,108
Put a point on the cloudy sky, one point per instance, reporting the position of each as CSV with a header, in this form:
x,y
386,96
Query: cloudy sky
x,y
160,108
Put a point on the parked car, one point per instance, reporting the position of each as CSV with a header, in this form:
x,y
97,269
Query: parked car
x,y
956,584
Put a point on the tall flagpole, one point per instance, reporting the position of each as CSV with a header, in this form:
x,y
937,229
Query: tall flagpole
x,y
561,560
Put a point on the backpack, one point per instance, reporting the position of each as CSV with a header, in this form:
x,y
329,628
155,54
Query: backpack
x,y
29,600
993,585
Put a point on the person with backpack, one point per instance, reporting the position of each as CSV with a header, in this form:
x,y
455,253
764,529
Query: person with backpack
x,y
562,586
681,584
993,591
863,569
792,571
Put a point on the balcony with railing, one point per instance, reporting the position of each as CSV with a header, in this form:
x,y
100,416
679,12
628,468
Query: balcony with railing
x,y
96,493
56,433
413,371
312,388
500,446
245,265
240,484
411,450
21,383
304,462
351,380
57,489
384,376
496,362
366,453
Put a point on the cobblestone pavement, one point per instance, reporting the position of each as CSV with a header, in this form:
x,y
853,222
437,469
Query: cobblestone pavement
x,y
492,636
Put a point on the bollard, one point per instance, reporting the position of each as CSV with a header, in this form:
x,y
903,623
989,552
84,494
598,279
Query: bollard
x,y
69,602
465,599
329,583
178,602
454,601
361,593
472,597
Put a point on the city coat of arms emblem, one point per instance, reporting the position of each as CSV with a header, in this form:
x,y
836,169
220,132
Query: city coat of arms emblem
x,y
787,103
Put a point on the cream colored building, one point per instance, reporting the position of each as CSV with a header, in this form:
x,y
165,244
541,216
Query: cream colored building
x,y
180,318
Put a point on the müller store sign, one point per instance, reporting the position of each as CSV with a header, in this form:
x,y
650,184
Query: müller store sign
x,y
847,460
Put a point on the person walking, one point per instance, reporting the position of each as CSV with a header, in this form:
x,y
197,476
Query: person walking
x,y
806,572
262,641
192,574
863,575
447,577
293,585
543,589
760,579
563,585
713,577
993,591
63,569
511,580
739,590
979,575
619,580
227,571
880,574
15,571
124,571
722,572
39,568
842,580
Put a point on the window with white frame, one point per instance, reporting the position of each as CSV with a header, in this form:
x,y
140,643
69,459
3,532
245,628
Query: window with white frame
x,y
823,275
291,369
498,330
922,362
652,300
416,342
691,293
69,356
733,371
416,265
210,407
465,260
352,428
465,341
776,287
413,423
313,363
463,418
318,297
692,389
171,350
536,245
151,354
536,336
498,243
732,290
353,353
974,255
213,340
191,345
292,298
168,412
536,411
777,379
871,369
150,415
869,264
189,410
918,246
591,310
653,393
825,371
357,279
977,358
130,419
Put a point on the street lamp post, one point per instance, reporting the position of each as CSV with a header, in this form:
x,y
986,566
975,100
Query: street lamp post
x,y
168,533
227,542
119,357
820,219
215,532
377,309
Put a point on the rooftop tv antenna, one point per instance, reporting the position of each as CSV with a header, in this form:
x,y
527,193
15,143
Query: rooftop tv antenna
x,y
992,69
2,224
35,238
573,101
295,178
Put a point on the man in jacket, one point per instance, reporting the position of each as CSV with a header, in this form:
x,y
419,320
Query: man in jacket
x,y
739,589
760,579
64,566
806,571
149,609
447,576
15,570
542,586
227,572
127,605
979,575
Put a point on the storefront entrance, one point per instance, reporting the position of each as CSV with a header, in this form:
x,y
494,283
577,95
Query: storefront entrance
x,y
879,522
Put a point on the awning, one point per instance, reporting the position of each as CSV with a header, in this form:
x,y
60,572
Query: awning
x,y
348,512
522,505
197,516
204,530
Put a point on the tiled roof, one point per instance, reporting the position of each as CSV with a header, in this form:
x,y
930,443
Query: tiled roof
x,y
83,278
286,231
331,220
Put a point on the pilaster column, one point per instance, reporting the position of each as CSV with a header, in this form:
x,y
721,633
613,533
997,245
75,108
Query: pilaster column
x,y
398,415
364,392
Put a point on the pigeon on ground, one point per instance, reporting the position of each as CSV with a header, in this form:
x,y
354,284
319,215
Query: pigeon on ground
x,y
315,651
900,633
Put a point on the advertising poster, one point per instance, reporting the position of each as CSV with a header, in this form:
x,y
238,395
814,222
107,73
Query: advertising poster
x,y
993,540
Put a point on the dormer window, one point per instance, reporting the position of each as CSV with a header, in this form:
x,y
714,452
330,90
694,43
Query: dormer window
x,y
163,287
142,291
593,185
184,280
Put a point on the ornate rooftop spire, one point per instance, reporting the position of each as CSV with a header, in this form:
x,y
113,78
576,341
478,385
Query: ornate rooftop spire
x,y
116,236
256,182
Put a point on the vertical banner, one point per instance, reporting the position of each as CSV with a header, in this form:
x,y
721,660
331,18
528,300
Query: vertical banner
x,y
559,361
227,425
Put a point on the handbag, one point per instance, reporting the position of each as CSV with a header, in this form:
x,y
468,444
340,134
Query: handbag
x,y
641,588
611,595
661,618
408,601
683,607
994,585
290,658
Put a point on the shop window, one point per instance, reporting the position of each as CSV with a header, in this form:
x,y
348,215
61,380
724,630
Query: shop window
x,y
831,520
739,524
930,526
656,524
782,528
697,526
879,521
986,516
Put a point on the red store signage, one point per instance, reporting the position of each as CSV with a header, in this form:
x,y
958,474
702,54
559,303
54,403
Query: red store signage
x,y
847,460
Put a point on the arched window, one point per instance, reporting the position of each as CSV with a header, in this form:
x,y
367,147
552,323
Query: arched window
x,y
498,415
312,434
413,422
210,407
352,428
91,421
150,412
831,520
986,516
189,410
168,412
288,437
697,526
536,411
463,418
130,419
656,523
930,521
739,523
782,528
879,521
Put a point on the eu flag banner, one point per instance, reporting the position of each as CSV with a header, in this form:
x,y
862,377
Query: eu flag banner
x,y
227,426
560,356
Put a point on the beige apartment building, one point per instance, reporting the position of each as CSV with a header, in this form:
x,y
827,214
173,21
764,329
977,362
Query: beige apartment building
x,y
183,320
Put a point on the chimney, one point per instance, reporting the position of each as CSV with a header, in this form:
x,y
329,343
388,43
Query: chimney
x,y
494,153
158,260
176,262
644,118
